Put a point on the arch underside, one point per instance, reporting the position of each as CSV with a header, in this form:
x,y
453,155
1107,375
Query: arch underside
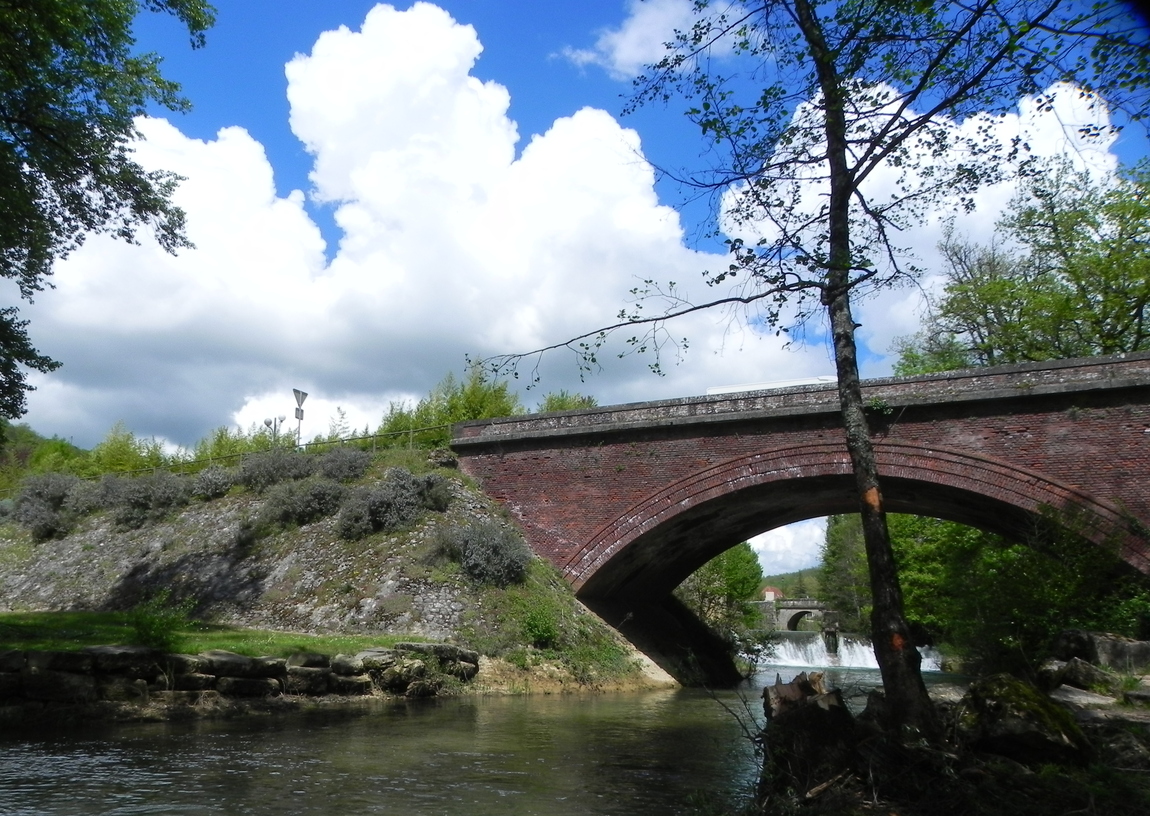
x,y
652,547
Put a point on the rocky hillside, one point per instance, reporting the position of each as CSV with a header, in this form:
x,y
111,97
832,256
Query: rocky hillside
x,y
243,559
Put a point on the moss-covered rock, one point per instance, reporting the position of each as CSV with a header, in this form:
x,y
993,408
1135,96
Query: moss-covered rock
x,y
1009,717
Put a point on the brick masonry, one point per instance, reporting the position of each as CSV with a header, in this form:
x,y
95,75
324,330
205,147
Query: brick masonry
x,y
632,498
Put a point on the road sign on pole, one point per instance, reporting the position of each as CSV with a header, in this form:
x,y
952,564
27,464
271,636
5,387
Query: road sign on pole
x,y
300,396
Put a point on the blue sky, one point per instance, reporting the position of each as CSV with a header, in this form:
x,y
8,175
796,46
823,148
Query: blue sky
x,y
376,192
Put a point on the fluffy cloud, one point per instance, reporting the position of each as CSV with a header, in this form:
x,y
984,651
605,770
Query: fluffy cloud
x,y
451,246
639,41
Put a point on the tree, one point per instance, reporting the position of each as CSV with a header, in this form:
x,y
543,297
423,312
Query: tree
x,y
719,591
428,423
822,95
70,89
1075,282
564,400
843,581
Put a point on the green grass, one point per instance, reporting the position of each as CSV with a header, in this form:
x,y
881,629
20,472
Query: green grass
x,y
73,630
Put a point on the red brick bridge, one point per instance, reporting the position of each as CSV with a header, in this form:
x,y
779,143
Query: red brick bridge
x,y
628,500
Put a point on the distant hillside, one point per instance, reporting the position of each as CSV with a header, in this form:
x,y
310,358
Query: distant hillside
x,y
796,584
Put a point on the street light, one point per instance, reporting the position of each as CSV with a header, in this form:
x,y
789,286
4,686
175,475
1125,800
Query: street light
x,y
273,424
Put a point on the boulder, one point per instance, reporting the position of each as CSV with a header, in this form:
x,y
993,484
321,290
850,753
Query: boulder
x,y
349,686
401,675
306,680
1009,717
1103,649
1083,675
422,688
1049,674
443,652
346,665
377,659
308,660
229,664
129,661
57,686
76,662
192,681
186,664
120,689
248,686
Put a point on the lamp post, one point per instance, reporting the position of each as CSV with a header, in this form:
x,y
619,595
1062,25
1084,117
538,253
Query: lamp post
x,y
273,424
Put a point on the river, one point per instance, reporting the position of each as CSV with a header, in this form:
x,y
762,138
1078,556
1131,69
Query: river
x,y
650,753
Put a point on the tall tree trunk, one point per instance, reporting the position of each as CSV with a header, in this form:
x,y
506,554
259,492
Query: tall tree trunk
x,y
908,704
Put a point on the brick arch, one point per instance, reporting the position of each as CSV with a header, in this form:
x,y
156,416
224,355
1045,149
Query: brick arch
x,y
661,539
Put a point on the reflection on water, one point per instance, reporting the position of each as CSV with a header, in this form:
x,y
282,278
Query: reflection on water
x,y
632,754
612,754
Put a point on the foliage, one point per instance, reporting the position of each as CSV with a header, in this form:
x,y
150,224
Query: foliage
x,y
301,502
540,612
344,464
434,492
212,482
71,85
487,552
451,401
719,591
40,505
262,470
391,505
564,400
998,603
159,621
844,584
1076,282
144,499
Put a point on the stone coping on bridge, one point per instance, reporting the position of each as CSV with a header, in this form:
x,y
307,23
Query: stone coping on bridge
x,y
969,385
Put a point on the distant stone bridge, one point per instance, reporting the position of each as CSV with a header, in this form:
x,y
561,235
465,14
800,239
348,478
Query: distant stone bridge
x,y
790,612
628,500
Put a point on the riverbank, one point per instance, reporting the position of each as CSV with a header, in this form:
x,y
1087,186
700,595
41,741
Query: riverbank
x,y
232,571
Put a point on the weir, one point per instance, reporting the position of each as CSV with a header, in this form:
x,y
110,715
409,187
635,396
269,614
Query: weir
x,y
809,650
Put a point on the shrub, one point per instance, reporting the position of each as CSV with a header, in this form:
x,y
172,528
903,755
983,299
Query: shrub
x,y
344,464
40,505
301,502
435,492
87,497
158,621
262,470
136,502
212,482
488,552
541,627
391,505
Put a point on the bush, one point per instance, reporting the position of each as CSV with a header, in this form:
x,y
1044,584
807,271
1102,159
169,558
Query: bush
x,y
487,552
393,504
212,482
158,621
435,492
262,470
541,627
136,502
301,502
40,505
87,497
344,464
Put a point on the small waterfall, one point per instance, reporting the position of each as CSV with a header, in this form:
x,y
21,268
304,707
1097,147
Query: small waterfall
x,y
809,649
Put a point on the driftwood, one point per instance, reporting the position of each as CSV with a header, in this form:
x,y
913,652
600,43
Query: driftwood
x,y
809,737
